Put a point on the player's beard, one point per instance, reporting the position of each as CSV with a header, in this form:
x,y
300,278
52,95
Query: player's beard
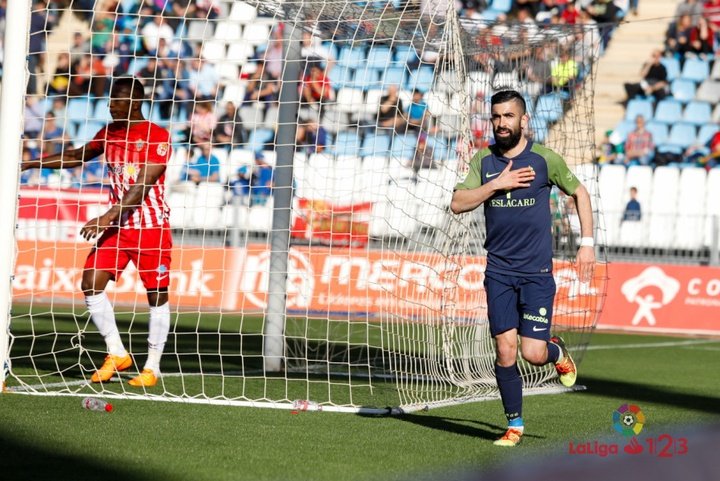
x,y
509,142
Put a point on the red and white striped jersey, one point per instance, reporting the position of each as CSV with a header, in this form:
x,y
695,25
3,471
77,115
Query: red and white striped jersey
x,y
127,150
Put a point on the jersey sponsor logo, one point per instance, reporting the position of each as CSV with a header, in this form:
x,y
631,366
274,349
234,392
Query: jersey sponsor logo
x,y
531,317
488,175
162,148
512,202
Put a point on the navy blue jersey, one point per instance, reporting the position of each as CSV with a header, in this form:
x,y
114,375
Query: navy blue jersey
x,y
518,222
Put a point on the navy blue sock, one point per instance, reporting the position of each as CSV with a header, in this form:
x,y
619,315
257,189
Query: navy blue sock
x,y
510,386
554,352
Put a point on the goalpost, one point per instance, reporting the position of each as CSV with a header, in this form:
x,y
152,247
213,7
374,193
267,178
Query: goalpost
x,y
322,268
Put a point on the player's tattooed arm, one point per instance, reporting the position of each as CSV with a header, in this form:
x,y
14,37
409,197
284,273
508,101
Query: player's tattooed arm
x,y
66,159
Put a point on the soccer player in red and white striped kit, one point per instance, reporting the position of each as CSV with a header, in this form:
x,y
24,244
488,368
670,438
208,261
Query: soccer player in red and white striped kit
x,y
135,227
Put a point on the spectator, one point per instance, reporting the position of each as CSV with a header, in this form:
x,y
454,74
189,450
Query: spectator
x,y
654,79
639,146
563,72
60,80
313,50
39,29
604,11
34,116
693,8
538,71
153,31
633,212
416,112
570,14
713,158
203,80
261,86
53,137
261,185
273,54
702,39
87,76
254,183
607,151
316,86
678,36
202,122
311,136
423,158
94,173
229,131
204,167
711,12
390,113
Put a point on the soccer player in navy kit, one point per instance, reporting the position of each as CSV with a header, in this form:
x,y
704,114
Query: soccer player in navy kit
x,y
513,179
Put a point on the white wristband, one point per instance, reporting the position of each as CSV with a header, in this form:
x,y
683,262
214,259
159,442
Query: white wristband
x,y
587,242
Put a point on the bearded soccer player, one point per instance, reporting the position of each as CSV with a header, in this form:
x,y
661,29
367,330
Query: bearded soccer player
x,y
512,179
135,228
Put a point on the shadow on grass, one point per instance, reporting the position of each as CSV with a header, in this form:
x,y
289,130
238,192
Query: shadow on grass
x,y
652,394
464,427
25,461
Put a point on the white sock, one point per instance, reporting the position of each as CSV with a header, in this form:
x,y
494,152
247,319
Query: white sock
x,y
103,316
159,329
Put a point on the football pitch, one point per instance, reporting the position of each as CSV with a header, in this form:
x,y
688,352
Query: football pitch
x,y
674,381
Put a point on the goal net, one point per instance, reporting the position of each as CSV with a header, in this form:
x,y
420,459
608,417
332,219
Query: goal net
x,y
315,147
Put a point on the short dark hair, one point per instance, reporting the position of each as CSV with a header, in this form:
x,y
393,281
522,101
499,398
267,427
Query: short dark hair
x,y
506,95
131,84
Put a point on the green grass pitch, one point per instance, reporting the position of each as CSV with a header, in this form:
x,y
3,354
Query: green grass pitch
x,y
673,380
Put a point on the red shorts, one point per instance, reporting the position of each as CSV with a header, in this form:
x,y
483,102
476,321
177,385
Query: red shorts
x,y
148,248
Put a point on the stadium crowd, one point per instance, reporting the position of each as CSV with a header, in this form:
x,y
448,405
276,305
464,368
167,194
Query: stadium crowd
x,y
216,88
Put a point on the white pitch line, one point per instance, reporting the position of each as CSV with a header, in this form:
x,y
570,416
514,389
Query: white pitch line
x,y
692,342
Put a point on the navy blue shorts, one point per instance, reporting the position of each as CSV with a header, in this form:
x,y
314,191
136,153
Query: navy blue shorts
x,y
522,303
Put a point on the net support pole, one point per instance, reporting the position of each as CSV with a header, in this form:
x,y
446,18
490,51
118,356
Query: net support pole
x,y
11,129
274,343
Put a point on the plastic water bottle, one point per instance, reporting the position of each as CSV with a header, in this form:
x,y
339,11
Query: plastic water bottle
x,y
95,404
305,405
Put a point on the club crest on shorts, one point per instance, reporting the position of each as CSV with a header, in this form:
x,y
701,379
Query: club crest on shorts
x,y
139,144
162,148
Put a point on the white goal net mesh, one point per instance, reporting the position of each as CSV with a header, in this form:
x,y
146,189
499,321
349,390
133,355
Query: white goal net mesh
x,y
375,109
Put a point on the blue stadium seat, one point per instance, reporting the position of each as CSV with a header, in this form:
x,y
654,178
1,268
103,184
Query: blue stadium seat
x,y
394,76
440,146
258,139
79,109
681,137
366,78
503,6
672,65
549,107
403,146
683,89
87,130
421,79
375,145
405,55
101,113
346,143
659,131
695,69
623,128
706,133
379,58
340,76
351,57
697,113
540,130
639,106
669,111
